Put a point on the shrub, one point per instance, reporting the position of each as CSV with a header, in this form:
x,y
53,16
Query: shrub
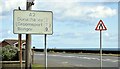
x,y
0,53
9,53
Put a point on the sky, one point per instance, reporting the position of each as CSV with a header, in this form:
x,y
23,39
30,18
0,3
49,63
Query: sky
x,y
74,22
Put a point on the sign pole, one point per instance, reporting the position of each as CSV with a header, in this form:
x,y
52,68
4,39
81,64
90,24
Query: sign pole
x,y
101,49
100,27
28,41
28,51
20,46
45,51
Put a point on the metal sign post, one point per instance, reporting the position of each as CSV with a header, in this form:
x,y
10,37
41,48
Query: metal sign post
x,y
101,49
45,51
100,27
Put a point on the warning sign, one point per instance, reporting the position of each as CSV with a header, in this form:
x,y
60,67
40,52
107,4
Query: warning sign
x,y
100,26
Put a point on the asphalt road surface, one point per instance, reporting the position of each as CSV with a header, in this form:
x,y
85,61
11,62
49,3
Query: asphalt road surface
x,y
75,60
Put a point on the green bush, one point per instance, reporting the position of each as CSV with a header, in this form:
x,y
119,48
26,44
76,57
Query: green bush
x,y
9,53
0,53
0,50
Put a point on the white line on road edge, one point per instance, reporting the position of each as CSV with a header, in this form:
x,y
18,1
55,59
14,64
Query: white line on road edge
x,y
89,58
64,62
39,54
78,65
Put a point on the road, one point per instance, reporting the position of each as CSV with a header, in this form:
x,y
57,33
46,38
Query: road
x,y
76,60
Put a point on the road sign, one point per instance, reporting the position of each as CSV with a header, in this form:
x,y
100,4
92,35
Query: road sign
x,y
100,26
33,22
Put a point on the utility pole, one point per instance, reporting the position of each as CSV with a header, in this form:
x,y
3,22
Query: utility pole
x,y
28,39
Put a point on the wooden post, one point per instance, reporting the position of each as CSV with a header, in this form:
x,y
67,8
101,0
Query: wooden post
x,y
20,46
20,43
33,56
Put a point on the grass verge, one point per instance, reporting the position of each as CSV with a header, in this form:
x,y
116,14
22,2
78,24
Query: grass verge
x,y
37,66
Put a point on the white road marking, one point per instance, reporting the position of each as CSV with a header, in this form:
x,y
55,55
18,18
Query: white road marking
x,y
54,55
39,54
69,56
64,62
115,61
89,58
110,60
78,65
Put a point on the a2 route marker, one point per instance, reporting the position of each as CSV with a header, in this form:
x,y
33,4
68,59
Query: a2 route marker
x,y
32,22
100,27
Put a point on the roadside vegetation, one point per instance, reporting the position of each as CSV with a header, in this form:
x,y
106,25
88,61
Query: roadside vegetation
x,y
9,53
37,66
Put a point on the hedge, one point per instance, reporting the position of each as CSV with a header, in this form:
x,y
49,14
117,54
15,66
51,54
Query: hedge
x,y
9,53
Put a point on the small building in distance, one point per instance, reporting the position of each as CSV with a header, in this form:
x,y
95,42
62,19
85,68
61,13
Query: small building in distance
x,y
12,42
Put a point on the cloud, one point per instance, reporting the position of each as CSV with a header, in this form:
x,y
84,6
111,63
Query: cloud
x,y
110,0
9,32
64,10
101,12
76,11
78,0
0,7
10,5
88,12
110,37
107,34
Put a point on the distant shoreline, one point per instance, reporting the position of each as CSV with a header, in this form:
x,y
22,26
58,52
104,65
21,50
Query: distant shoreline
x,y
87,50
107,49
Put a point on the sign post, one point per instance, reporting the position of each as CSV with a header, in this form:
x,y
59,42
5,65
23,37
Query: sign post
x,y
20,46
32,22
100,27
28,40
45,51
101,49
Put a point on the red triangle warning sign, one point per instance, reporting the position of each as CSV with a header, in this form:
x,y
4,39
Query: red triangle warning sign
x,y
100,26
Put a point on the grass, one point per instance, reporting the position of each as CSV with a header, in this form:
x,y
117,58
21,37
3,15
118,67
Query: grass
x,y
37,66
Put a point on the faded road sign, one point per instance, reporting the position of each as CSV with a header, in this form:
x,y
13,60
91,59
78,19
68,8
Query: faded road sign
x,y
33,22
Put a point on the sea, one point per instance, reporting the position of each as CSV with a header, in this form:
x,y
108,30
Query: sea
x,y
105,49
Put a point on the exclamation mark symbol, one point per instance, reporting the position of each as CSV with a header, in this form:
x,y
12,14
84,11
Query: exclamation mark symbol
x,y
101,27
